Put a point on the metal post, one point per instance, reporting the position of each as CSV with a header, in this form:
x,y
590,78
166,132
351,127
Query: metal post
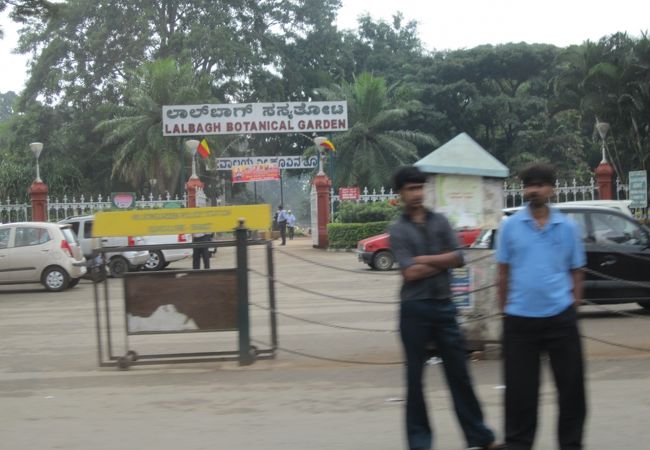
x,y
281,189
271,276
182,173
245,356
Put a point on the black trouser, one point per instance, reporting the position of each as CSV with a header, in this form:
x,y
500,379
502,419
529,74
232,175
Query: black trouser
x,y
283,231
291,230
421,322
524,340
201,253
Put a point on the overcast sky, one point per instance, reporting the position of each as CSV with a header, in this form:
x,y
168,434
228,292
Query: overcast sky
x,y
453,24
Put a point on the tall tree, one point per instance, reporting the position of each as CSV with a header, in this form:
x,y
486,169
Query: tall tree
x,y
141,152
376,142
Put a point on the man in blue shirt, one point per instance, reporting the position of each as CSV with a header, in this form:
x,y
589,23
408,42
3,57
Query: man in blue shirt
x,y
540,256
426,247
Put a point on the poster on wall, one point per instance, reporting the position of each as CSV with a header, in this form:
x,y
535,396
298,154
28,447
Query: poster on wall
x,y
460,198
257,172
461,286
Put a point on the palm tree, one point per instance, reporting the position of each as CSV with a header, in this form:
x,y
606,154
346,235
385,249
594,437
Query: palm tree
x,y
370,150
135,131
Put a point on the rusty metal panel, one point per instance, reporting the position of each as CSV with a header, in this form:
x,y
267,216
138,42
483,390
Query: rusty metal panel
x,y
181,301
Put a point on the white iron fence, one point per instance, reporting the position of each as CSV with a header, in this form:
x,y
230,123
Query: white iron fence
x,y
513,194
59,209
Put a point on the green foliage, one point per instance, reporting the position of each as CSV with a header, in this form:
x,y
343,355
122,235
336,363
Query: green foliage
x,y
346,235
363,212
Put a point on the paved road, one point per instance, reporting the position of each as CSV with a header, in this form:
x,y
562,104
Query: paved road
x,y
53,395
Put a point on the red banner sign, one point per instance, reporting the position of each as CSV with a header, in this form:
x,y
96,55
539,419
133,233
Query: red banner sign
x,y
349,193
256,172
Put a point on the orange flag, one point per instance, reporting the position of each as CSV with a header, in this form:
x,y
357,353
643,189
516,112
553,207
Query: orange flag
x,y
203,149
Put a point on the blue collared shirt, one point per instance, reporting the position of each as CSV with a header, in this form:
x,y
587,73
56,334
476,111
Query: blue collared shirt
x,y
540,262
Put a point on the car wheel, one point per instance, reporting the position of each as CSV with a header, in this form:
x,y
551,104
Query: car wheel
x,y
644,305
55,279
118,266
156,261
73,283
383,260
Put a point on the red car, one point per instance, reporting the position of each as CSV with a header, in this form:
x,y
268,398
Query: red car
x,y
375,250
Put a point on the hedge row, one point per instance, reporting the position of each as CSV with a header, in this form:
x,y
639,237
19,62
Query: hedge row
x,y
352,212
346,235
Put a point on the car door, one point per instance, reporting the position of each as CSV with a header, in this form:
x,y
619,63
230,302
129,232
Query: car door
x,y
5,234
30,254
618,250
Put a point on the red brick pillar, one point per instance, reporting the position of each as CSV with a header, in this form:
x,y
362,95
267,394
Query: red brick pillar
x,y
38,195
323,186
191,186
605,180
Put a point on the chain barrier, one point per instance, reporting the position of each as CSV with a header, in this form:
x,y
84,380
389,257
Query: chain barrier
x,y
325,324
328,266
612,278
616,344
614,311
336,360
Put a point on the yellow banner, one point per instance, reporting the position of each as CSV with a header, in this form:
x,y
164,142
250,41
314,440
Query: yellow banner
x,y
180,220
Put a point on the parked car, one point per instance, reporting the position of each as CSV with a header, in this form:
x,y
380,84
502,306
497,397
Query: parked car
x,y
159,259
375,250
40,252
618,253
118,262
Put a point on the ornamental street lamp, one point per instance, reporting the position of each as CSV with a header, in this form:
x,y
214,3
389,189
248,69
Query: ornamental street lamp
x,y
603,128
192,145
36,148
322,152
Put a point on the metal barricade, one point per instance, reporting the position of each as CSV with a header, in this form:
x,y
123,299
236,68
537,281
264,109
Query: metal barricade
x,y
186,301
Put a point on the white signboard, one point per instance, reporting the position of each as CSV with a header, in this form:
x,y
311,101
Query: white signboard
x,y
283,162
254,118
638,189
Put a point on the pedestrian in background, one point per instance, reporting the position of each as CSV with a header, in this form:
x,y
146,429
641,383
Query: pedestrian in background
x,y
540,255
291,224
201,253
426,247
282,224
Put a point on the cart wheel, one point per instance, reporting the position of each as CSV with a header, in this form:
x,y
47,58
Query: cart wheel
x,y
123,363
132,355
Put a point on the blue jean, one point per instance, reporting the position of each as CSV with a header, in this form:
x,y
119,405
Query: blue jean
x,y
421,322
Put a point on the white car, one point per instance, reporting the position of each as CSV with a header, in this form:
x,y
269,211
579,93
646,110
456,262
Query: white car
x,y
40,252
159,259
118,263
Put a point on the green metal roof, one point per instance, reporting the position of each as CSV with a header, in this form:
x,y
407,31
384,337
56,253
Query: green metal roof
x,y
462,156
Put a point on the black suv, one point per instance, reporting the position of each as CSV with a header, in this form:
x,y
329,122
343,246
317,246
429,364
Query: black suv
x,y
618,253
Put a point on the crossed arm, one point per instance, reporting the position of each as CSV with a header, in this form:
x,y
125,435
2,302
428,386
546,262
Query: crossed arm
x,y
429,265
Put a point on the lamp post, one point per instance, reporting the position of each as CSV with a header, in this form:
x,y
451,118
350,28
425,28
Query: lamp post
x,y
38,190
194,183
321,152
37,148
192,145
604,171
603,128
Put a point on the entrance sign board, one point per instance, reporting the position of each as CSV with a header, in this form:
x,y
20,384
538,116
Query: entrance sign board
x,y
254,118
638,189
183,220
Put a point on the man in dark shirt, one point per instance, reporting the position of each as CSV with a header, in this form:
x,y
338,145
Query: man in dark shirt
x,y
426,247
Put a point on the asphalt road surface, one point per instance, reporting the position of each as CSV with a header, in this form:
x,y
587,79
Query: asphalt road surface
x,y
347,395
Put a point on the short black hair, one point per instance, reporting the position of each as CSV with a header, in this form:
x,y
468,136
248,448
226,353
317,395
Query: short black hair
x,y
538,173
407,174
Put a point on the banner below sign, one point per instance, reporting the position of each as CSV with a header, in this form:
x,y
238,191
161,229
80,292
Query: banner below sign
x,y
258,172
178,221
349,193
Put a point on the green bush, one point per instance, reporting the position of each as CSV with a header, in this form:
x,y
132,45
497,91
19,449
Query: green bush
x,y
352,212
346,235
